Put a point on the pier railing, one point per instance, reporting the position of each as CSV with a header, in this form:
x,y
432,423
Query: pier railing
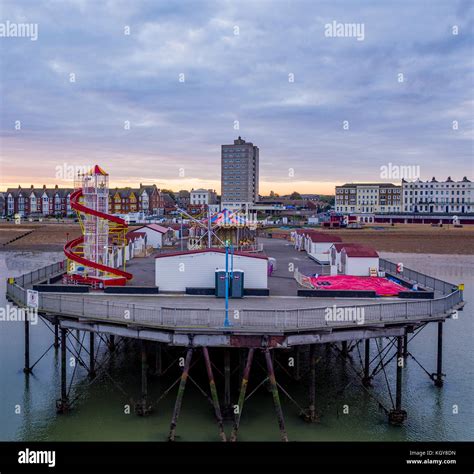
x,y
94,308
416,277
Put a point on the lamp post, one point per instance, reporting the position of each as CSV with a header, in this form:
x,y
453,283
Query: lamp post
x,y
226,320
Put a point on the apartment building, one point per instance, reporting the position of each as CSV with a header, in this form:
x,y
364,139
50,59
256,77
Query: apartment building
x,y
368,198
451,197
239,174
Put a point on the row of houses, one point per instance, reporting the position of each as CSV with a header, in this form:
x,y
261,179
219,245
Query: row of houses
x,y
33,202
424,197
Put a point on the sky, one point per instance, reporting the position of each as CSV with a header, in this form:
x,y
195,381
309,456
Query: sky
x,y
150,90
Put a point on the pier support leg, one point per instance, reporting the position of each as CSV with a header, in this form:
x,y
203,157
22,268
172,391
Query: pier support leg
x,y
241,363
112,343
438,376
310,415
397,416
276,397
405,347
179,397
142,408
56,334
243,390
62,405
27,367
158,360
367,378
215,398
344,349
297,363
91,355
227,409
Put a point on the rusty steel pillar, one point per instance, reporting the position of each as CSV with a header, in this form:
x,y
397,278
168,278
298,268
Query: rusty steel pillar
x,y
366,380
158,360
310,415
438,376
397,416
297,363
111,343
276,397
142,408
179,397
91,355
344,349
227,408
62,405
27,367
243,390
215,398
405,346
56,334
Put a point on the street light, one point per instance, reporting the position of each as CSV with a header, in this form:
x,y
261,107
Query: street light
x,y
227,275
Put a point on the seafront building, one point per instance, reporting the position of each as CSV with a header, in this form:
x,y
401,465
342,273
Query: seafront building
x,y
239,174
439,201
438,196
368,198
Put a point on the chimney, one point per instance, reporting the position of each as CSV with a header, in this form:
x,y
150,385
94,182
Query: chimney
x,y
31,187
44,186
56,187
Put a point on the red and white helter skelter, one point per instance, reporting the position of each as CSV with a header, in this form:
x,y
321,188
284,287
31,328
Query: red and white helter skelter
x,y
97,258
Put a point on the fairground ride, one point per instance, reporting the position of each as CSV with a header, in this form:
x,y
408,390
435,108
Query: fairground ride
x,y
97,258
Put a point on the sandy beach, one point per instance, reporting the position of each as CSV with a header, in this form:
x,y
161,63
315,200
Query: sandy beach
x,y
406,238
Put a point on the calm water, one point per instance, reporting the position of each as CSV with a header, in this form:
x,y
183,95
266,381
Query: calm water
x,y
98,414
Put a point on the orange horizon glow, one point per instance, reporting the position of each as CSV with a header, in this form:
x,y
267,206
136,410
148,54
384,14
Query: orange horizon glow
x,y
302,187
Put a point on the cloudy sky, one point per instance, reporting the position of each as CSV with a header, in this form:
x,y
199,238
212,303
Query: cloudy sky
x,y
151,89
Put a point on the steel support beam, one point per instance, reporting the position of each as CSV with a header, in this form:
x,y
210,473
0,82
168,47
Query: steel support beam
x,y
62,405
111,343
367,378
243,390
276,397
227,408
215,398
438,376
310,415
344,352
56,334
27,367
91,355
143,408
158,360
179,397
397,416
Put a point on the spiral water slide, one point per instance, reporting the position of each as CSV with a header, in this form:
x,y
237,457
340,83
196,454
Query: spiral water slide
x,y
73,251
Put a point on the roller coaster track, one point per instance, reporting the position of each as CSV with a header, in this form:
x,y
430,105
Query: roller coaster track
x,y
74,248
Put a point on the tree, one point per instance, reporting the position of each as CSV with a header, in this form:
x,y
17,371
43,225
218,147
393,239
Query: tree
x,y
171,193
295,195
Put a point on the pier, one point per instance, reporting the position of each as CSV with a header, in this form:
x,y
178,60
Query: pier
x,y
183,337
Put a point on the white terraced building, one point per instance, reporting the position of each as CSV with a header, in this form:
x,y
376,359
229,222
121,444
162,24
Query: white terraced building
x,y
453,197
368,198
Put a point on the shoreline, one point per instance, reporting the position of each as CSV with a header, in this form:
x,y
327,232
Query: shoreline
x,y
403,238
